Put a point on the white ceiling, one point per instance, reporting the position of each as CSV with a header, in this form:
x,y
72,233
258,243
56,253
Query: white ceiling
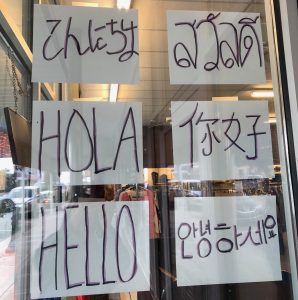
x,y
154,89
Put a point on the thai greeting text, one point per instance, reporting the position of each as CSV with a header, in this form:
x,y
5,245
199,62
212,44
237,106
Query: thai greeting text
x,y
215,48
227,54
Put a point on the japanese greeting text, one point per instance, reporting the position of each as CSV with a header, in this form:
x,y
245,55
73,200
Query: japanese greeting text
x,y
79,44
96,42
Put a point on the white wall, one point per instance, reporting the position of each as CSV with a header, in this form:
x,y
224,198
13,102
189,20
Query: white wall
x,y
14,8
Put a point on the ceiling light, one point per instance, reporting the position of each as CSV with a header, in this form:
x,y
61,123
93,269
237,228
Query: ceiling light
x,y
88,4
123,4
90,99
262,94
272,121
113,92
231,98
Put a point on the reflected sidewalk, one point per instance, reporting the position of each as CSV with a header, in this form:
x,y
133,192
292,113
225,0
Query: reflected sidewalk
x,y
7,259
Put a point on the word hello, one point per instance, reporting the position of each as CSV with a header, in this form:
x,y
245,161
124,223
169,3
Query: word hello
x,y
63,248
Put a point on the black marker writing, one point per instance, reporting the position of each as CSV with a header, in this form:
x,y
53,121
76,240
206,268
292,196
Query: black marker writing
x,y
189,121
233,140
130,116
97,170
87,275
245,40
43,248
207,129
93,144
43,139
104,246
75,112
115,228
133,243
255,135
210,135
183,238
66,249
190,60
203,242
96,42
226,242
44,48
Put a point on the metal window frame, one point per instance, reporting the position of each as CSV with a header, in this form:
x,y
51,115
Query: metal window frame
x,y
288,30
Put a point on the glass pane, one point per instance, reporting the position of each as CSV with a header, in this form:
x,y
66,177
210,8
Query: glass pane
x,y
26,189
13,193
9,216
21,13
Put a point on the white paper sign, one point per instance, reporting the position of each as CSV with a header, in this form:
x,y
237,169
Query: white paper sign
x,y
89,248
96,142
85,44
226,240
221,140
215,48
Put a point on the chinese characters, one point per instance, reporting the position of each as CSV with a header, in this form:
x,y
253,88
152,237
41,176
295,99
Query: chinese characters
x,y
209,135
220,140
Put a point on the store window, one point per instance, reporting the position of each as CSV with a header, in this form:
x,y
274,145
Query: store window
x,y
201,177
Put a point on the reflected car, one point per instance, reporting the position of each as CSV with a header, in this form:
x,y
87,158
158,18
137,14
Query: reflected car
x,y
20,195
52,193
6,206
45,194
